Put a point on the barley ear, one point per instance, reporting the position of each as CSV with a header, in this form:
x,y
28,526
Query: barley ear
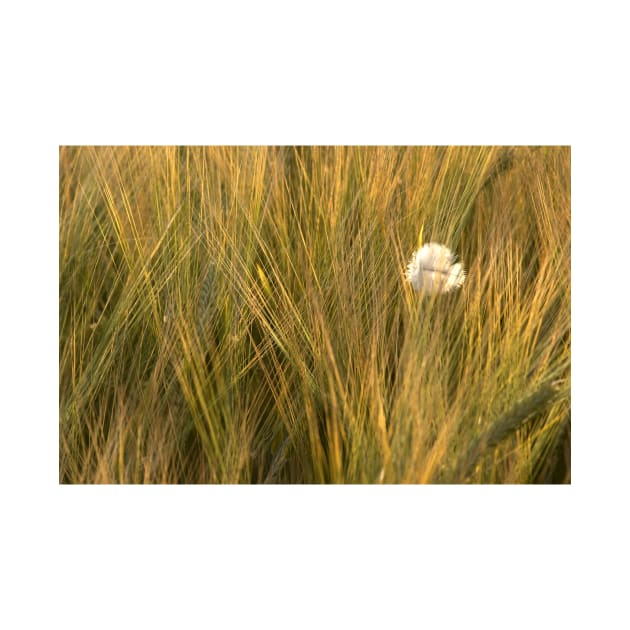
x,y
507,424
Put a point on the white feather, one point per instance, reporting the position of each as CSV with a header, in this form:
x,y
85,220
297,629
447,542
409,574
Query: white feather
x,y
432,269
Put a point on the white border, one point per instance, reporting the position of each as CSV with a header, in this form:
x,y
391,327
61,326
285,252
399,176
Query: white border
x,y
287,557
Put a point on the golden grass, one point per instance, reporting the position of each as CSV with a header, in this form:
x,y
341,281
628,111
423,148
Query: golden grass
x,y
240,315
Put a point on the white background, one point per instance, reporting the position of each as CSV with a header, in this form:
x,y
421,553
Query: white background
x,y
540,72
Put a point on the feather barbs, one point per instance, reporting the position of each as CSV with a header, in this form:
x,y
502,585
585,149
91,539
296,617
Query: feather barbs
x,y
432,270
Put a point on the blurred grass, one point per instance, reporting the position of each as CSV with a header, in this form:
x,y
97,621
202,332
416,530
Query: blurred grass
x,y
240,315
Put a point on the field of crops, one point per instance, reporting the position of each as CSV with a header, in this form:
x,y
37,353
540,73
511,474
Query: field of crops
x,y
242,315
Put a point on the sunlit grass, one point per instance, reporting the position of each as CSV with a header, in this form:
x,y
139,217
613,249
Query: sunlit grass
x,y
241,314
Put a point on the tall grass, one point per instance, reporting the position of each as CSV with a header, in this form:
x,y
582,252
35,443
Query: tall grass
x,y
240,314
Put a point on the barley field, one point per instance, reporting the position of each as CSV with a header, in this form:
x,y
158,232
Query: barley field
x,y
242,315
